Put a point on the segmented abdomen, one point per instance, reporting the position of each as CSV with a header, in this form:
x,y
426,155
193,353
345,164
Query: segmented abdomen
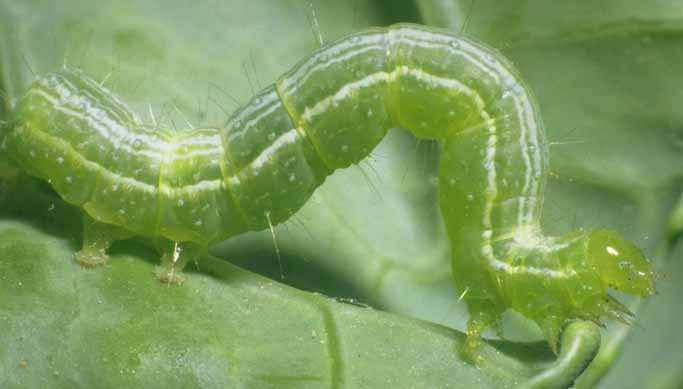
x,y
195,185
329,112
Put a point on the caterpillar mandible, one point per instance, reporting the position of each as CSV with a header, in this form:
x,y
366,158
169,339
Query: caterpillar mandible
x,y
188,189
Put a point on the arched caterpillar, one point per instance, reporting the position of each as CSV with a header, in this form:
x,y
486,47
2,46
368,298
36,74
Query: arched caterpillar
x,y
191,188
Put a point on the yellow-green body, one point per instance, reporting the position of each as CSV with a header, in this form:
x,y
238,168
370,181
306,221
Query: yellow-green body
x,y
201,186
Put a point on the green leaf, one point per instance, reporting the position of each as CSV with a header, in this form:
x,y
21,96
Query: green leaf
x,y
65,326
371,234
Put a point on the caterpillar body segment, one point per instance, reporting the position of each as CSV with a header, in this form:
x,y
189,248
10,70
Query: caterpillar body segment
x,y
191,188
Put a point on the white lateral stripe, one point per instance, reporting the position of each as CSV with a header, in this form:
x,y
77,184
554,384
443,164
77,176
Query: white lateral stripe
x,y
206,185
487,64
537,271
133,183
283,140
319,62
375,78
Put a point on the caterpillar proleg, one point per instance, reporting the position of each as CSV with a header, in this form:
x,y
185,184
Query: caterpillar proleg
x,y
188,189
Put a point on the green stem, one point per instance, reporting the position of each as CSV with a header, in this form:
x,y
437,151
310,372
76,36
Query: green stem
x,y
579,346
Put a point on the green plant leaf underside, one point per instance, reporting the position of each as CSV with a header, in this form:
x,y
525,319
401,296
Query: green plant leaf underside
x,y
371,233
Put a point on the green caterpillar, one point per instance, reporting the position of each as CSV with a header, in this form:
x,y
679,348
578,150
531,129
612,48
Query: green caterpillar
x,y
191,188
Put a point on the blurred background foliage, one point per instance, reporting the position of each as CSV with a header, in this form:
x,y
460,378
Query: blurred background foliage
x,y
606,74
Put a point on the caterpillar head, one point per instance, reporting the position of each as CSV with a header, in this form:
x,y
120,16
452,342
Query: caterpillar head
x,y
622,266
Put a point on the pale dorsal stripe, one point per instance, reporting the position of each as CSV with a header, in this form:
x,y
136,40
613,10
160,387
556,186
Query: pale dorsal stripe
x,y
283,140
205,185
331,56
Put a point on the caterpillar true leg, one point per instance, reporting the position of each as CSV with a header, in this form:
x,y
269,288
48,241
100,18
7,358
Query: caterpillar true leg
x,y
482,316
